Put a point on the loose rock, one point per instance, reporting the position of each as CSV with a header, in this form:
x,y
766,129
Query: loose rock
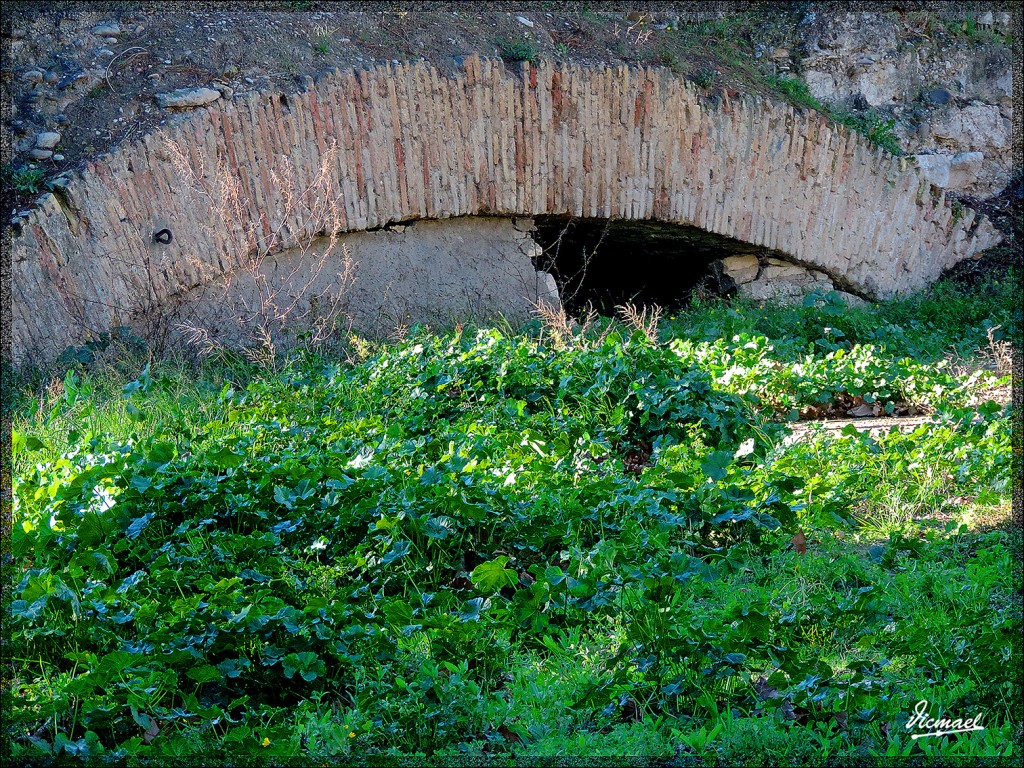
x,y
187,98
107,30
40,154
70,79
938,96
47,139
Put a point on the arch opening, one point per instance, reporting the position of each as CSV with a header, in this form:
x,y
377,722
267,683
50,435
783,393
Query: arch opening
x,y
604,263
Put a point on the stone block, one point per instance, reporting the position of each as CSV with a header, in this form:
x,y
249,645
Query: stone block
x,y
784,271
742,269
547,290
964,169
770,290
935,168
957,171
187,98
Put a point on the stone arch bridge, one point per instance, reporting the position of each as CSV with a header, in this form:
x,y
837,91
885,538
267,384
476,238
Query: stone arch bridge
x,y
362,151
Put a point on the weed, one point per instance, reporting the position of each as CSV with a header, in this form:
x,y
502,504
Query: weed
x,y
643,320
288,305
705,78
876,128
592,538
26,181
518,50
666,57
957,209
589,15
289,65
795,90
321,39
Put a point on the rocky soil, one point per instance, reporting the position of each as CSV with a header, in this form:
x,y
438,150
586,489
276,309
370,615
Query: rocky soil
x,y
80,78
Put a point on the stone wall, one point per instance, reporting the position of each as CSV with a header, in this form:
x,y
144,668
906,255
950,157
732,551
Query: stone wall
x,y
404,142
436,272
772,279
952,102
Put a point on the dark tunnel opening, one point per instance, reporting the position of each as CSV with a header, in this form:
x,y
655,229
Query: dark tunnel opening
x,y
604,263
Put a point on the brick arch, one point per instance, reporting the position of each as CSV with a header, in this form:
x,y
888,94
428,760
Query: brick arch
x,y
412,142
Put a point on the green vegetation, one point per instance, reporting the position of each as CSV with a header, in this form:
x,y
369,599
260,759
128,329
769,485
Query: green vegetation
x,y
24,180
876,128
725,44
518,545
969,28
518,50
666,57
321,39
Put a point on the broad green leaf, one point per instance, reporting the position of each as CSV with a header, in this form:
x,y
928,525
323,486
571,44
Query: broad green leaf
x,y
398,613
284,497
90,530
225,458
162,452
306,664
492,576
140,483
398,550
139,525
204,673
472,609
716,465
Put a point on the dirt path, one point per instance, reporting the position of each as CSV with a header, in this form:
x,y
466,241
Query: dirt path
x,y
875,426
